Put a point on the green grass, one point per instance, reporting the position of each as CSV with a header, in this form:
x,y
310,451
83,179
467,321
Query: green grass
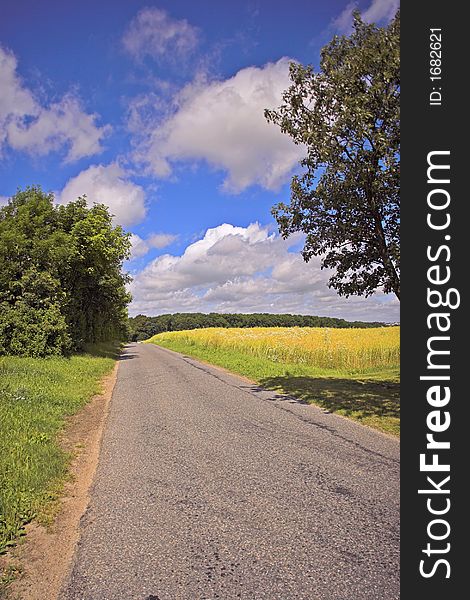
x,y
35,397
371,397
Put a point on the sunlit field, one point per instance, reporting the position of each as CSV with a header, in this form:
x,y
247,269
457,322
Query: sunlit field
x,y
353,372
350,349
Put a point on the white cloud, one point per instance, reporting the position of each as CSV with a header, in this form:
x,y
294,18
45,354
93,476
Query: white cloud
x,y
154,33
378,11
4,200
28,126
108,184
343,22
160,240
237,269
222,123
141,247
381,10
62,124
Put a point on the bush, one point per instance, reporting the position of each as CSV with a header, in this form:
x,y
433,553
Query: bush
x,y
36,332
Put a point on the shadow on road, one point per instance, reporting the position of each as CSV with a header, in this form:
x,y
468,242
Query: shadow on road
x,y
127,356
111,350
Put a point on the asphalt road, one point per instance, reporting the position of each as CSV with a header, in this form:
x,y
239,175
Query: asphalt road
x,y
208,487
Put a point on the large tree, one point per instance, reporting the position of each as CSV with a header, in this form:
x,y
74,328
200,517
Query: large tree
x,y
346,200
61,279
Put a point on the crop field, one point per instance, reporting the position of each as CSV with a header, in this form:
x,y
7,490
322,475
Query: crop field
x,y
354,372
350,349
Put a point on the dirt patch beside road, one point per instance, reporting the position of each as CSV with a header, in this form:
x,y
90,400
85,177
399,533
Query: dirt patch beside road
x,y
45,556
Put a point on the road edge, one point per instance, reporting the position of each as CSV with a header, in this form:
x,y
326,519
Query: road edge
x,y
45,556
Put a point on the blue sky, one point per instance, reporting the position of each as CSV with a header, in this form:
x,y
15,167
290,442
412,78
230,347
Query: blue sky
x,y
156,109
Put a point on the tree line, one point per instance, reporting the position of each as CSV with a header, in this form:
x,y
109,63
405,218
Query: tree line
x,y
61,280
142,327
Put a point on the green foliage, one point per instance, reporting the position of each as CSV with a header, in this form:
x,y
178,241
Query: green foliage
x,y
35,396
32,323
347,200
33,332
143,328
61,280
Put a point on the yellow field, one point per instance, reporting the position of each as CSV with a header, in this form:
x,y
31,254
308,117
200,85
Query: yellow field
x,y
351,349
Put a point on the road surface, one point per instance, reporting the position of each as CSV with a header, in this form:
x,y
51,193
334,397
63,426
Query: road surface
x,y
211,488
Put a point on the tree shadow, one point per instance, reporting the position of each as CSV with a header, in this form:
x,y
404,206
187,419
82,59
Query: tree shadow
x,y
367,398
127,356
104,350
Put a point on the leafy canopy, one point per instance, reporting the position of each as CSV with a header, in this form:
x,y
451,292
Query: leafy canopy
x,y
347,199
61,280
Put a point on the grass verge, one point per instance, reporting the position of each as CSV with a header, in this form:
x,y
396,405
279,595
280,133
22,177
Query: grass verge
x,y
371,397
36,395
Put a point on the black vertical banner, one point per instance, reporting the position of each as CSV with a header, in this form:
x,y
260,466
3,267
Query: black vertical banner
x,y
434,323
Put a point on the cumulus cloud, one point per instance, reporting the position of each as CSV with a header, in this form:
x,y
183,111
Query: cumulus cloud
x,y
378,11
223,124
381,10
154,33
108,184
28,126
4,200
246,269
161,240
140,247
